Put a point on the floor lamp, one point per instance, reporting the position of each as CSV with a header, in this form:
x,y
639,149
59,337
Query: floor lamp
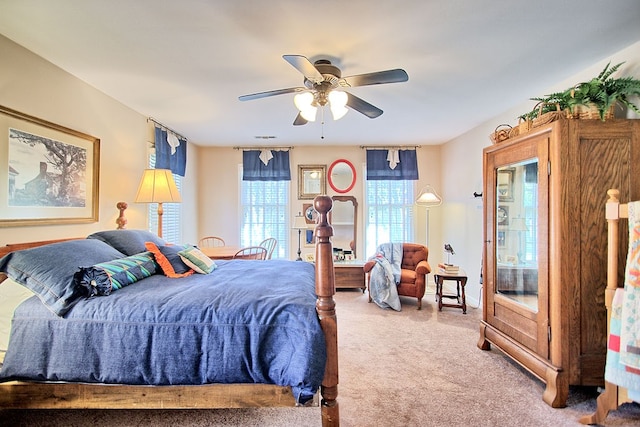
x,y
428,198
299,223
158,186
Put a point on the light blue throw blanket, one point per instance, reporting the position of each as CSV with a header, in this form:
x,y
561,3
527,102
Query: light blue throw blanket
x,y
385,275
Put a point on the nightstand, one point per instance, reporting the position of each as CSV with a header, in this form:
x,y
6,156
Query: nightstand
x,y
349,275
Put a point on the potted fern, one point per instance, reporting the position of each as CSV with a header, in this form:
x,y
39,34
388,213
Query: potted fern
x,y
592,99
602,93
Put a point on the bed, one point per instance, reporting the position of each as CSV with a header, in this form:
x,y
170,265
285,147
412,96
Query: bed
x,y
617,375
255,342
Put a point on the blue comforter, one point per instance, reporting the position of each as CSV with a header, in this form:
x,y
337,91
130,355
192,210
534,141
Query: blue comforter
x,y
247,322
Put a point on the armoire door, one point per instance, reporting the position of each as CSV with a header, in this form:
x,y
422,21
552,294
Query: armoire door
x,y
516,215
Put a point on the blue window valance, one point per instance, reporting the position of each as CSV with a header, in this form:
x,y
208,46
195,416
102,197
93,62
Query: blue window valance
x,y
392,165
265,165
171,151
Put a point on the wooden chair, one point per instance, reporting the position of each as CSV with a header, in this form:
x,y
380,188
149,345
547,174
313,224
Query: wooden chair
x,y
211,242
251,252
269,244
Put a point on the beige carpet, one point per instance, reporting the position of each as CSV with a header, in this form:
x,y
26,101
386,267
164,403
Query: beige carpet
x,y
408,368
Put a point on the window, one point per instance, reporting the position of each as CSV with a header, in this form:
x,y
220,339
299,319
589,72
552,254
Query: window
x,y
530,205
172,213
389,211
264,208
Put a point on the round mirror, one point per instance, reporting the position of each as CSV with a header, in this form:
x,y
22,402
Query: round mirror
x,y
342,176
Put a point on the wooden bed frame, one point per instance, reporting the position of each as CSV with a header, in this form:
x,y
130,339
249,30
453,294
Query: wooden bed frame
x,y
613,395
25,395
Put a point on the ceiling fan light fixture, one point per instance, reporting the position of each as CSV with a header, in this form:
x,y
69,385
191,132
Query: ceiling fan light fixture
x,y
304,103
321,79
309,114
303,100
338,112
338,101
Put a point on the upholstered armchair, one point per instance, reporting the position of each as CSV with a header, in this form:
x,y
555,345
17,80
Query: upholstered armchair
x,y
414,269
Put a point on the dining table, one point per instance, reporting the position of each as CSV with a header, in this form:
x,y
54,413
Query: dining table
x,y
220,252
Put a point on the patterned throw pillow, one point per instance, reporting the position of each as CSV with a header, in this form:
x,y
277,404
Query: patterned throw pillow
x,y
103,278
170,262
197,260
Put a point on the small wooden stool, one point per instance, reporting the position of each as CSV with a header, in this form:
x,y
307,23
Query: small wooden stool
x,y
460,277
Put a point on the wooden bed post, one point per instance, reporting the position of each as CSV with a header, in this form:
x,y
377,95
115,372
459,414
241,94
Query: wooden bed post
x,y
325,305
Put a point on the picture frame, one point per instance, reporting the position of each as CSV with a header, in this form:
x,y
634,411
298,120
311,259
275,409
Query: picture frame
x,y
504,184
49,174
502,215
312,181
310,213
309,238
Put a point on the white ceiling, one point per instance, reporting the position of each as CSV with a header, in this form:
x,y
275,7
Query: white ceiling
x,y
186,62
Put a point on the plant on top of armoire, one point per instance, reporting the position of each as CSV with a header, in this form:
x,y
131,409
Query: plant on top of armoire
x,y
603,92
595,98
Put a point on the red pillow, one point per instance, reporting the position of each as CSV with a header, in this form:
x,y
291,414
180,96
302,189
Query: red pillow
x,y
169,260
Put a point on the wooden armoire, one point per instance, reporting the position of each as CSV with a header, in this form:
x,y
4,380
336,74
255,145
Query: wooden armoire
x,y
545,246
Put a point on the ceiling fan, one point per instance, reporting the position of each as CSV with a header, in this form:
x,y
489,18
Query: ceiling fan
x,y
322,84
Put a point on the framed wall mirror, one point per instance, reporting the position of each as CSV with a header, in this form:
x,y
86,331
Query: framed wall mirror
x,y
311,181
344,220
342,176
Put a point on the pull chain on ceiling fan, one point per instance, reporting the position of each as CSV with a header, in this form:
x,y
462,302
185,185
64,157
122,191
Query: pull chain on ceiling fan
x,y
322,81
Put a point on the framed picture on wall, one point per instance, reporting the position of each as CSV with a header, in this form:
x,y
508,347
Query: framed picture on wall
x,y
505,184
311,181
51,172
310,213
309,237
502,215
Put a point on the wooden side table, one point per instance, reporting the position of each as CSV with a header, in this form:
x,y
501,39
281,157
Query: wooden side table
x,y
460,277
349,275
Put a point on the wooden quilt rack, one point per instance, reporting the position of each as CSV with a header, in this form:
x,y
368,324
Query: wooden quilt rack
x,y
613,395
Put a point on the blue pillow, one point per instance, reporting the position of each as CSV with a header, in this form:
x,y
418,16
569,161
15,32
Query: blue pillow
x,y
103,278
129,242
168,258
49,270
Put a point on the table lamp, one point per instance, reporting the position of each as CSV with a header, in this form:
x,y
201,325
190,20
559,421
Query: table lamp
x,y
158,186
299,223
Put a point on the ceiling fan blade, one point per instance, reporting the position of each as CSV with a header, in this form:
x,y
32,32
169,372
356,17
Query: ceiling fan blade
x,y
363,106
300,120
305,66
271,93
380,77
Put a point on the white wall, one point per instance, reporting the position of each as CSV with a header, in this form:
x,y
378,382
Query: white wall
x,y
38,88
219,202
462,171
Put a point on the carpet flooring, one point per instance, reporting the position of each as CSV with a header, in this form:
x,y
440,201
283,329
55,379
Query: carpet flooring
x,y
408,368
